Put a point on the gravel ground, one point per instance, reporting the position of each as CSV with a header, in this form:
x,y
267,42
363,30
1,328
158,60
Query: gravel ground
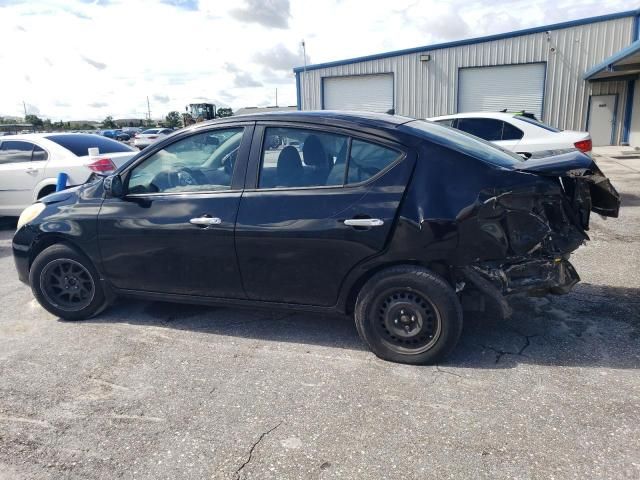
x,y
155,391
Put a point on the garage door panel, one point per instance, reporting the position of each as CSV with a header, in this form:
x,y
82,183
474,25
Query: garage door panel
x,y
369,93
514,87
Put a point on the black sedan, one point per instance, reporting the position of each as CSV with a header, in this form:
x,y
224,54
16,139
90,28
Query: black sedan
x,y
402,223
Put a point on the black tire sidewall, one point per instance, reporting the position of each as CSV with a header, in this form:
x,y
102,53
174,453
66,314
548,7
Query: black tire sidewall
x,y
434,288
60,251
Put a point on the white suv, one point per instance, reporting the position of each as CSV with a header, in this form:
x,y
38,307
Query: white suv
x,y
30,164
518,132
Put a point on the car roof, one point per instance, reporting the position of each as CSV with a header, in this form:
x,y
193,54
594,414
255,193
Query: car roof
x,y
38,136
355,118
496,115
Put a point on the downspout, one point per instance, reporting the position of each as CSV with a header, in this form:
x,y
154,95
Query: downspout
x,y
298,92
628,109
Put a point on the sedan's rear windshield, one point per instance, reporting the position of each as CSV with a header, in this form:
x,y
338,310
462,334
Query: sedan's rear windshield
x,y
80,143
537,123
467,144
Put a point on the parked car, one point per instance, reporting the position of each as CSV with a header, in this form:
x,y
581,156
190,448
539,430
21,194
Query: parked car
x,y
402,223
149,136
518,132
30,164
117,135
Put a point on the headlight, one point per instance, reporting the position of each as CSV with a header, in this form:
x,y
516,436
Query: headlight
x,y
29,213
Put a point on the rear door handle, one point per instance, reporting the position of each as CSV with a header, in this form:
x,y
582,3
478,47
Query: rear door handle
x,y
364,222
31,170
205,221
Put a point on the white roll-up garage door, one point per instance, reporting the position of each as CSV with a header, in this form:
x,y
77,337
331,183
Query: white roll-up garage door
x,y
514,87
370,93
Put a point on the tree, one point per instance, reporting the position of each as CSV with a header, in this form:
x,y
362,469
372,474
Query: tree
x,y
108,122
173,119
34,120
224,112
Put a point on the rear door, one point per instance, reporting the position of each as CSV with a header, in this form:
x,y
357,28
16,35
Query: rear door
x,y
22,166
317,202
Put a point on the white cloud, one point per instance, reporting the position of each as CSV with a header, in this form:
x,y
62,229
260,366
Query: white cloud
x,y
74,59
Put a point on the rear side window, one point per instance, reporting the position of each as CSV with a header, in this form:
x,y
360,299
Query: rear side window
x,y
296,157
14,151
509,132
79,144
485,128
38,154
368,159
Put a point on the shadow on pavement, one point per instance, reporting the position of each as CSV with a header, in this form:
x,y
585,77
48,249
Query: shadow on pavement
x,y
594,326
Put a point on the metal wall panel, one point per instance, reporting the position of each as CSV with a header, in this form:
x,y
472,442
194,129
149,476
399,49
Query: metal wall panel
x,y
429,89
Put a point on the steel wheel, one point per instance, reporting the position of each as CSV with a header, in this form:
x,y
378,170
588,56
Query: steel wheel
x,y
67,284
407,322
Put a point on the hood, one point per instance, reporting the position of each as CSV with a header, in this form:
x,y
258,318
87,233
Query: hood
x,y
578,171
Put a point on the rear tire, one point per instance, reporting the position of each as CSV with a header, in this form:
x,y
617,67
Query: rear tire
x,y
408,314
66,283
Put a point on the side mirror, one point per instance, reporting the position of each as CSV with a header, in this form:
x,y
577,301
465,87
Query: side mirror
x,y
113,187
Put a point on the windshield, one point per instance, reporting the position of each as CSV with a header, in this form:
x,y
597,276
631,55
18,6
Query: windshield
x,y
80,143
537,123
466,143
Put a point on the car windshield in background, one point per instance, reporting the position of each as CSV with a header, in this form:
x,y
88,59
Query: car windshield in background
x,y
537,123
468,144
151,131
80,143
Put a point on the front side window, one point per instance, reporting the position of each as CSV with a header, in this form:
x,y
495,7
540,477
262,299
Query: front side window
x,y
200,162
295,157
14,151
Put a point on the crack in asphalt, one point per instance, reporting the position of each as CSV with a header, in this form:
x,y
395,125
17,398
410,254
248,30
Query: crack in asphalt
x,y
500,353
253,447
438,369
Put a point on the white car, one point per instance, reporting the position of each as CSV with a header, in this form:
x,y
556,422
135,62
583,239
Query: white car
x,y
518,132
147,137
30,164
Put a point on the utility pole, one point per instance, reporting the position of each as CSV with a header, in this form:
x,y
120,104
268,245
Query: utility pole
x,y
276,96
148,109
304,54
24,106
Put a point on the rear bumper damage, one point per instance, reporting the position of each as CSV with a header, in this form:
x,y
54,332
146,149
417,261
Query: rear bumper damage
x,y
523,236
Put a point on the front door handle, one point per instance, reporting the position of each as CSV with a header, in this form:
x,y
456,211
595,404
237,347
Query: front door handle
x,y
364,222
205,221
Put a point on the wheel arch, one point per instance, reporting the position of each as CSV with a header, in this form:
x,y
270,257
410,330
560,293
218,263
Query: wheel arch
x,y
353,289
46,241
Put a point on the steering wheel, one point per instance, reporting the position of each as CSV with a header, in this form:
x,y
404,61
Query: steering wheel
x,y
229,160
181,176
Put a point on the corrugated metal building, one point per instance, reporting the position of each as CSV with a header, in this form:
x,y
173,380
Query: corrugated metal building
x,y
578,75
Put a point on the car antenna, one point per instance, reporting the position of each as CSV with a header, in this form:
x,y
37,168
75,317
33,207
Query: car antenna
x,y
391,111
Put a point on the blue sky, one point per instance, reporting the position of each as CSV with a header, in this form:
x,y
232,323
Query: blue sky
x,y
79,59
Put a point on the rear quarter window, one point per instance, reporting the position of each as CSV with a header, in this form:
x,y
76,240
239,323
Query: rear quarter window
x,y
465,143
80,144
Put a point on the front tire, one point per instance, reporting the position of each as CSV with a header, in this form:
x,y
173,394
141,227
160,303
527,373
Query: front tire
x,y
408,314
66,283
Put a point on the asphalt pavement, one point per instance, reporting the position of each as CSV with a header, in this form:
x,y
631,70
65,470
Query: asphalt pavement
x,y
166,391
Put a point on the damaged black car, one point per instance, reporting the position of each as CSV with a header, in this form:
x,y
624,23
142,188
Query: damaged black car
x,y
401,223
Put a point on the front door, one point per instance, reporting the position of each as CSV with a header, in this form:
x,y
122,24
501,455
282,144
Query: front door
x,y
173,230
321,202
601,119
